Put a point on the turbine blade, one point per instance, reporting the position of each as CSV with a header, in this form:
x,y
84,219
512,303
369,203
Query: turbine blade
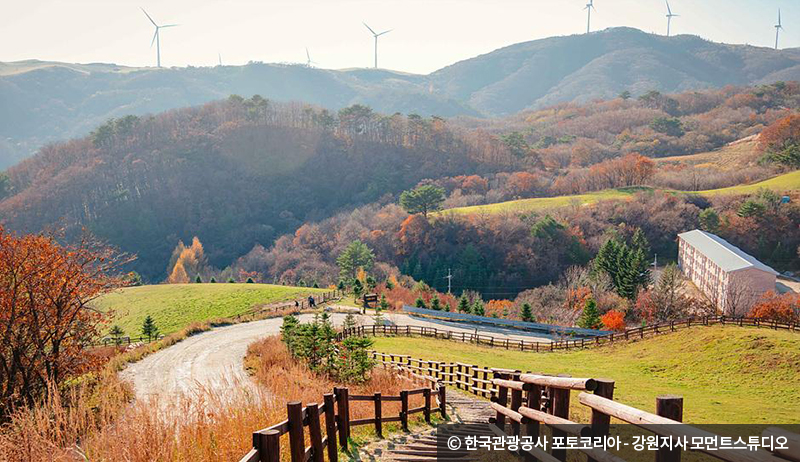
x,y
308,55
169,25
148,17
154,38
385,32
669,11
370,29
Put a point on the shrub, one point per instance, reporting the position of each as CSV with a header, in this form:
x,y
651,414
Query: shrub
x,y
614,320
315,344
783,308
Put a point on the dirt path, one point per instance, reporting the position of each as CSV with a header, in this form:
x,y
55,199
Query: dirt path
x,y
211,359
214,359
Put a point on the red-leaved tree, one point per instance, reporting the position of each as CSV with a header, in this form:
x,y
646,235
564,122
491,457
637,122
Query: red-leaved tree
x,y
46,321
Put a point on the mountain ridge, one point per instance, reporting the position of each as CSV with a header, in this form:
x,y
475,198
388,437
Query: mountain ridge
x,y
47,101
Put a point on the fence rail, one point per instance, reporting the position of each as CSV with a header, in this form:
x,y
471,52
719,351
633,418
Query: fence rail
x,y
338,422
525,401
560,345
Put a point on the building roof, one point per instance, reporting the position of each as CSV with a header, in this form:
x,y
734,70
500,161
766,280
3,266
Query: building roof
x,y
726,255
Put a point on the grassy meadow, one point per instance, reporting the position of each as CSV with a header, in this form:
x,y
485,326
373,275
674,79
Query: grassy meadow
x,y
786,182
725,374
174,306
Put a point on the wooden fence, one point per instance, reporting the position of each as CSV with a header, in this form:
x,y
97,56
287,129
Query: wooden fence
x,y
301,304
337,424
525,401
559,345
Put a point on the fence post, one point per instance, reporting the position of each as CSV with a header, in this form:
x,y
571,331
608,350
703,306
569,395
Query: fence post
x,y
671,407
343,419
427,412
268,443
443,400
315,433
378,413
532,426
560,408
330,426
601,422
502,399
404,409
296,439
516,402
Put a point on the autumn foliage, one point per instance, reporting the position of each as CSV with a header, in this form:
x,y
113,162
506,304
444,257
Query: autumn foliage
x,y
46,323
783,308
614,320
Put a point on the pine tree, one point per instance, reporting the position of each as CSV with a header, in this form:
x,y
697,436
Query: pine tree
x,y
477,308
590,318
149,328
116,334
315,285
231,280
384,303
349,321
435,303
389,284
358,288
250,281
420,303
213,280
526,314
639,242
463,304
341,285
198,279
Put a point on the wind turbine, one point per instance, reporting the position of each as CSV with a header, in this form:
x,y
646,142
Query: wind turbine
x,y
669,16
589,7
778,28
156,36
309,63
376,35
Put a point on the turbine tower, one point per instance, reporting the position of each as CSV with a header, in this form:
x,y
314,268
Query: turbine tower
x,y
309,63
589,7
376,35
156,36
778,28
669,17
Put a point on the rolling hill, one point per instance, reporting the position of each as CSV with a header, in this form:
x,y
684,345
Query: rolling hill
x,y
718,370
788,182
46,102
174,306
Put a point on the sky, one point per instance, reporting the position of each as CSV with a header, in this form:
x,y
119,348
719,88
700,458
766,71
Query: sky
x,y
427,34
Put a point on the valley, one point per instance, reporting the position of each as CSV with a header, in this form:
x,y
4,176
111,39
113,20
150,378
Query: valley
x,y
279,261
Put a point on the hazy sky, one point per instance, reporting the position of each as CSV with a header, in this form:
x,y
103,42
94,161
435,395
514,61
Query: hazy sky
x,y
427,35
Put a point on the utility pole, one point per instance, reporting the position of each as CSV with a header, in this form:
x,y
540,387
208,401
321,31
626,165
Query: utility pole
x,y
449,278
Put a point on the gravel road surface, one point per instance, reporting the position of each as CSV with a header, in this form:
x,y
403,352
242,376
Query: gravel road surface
x,y
214,359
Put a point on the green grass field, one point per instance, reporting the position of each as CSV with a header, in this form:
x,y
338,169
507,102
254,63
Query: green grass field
x,y
174,306
725,374
787,182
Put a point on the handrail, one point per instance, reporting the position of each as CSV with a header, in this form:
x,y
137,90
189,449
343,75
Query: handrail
x,y
336,412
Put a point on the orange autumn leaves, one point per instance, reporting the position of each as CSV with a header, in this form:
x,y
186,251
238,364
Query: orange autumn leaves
x,y
46,322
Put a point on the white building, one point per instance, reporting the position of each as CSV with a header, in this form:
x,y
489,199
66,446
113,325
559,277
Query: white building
x,y
729,277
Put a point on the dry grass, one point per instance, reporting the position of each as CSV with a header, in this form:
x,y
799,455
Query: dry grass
x,y
93,420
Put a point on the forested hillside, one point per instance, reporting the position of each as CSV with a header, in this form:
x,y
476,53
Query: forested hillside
x,y
45,102
237,173
240,173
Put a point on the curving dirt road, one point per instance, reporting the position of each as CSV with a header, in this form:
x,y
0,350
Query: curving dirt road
x,y
214,359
